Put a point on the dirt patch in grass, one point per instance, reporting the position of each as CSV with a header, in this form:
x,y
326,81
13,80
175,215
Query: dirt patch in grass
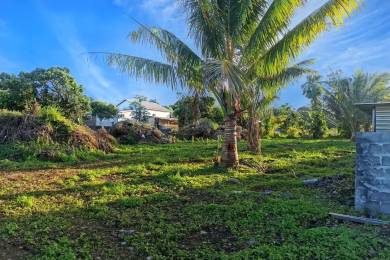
x,y
218,237
198,196
12,252
339,187
28,181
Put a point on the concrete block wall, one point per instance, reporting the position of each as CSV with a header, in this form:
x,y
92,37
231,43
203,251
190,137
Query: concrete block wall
x,y
372,180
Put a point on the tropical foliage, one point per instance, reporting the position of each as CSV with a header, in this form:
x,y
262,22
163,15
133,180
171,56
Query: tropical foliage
x,y
183,110
259,96
139,112
313,90
238,41
339,94
45,87
342,93
103,110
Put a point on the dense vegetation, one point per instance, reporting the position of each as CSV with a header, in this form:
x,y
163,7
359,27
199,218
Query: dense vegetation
x,y
170,201
70,192
47,134
243,55
334,98
45,87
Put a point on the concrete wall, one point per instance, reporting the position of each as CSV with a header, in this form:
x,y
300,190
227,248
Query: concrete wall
x,y
372,182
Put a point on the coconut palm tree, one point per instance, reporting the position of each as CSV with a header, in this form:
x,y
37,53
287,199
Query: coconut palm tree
x,y
260,94
234,39
313,89
342,93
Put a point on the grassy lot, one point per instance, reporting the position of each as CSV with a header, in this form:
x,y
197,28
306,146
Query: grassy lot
x,y
170,201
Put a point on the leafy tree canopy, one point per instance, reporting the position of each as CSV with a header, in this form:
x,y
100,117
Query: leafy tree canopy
x,y
103,110
341,93
184,111
47,87
140,113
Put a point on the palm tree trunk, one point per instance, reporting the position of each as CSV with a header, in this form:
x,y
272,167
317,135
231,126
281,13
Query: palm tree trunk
x,y
229,148
254,142
195,109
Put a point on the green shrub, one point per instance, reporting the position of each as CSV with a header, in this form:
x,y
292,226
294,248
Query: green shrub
x,y
25,201
294,132
9,114
48,136
62,127
203,128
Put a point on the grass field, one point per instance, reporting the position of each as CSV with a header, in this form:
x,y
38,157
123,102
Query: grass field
x,y
170,201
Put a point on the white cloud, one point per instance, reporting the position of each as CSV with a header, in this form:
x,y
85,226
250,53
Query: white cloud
x,y
127,5
362,43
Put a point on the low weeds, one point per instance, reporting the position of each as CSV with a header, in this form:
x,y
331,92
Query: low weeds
x,y
171,202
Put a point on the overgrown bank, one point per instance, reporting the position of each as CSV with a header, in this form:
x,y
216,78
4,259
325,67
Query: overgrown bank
x,y
46,134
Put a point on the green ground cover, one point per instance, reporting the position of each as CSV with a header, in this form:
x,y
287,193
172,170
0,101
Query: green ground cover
x,y
170,201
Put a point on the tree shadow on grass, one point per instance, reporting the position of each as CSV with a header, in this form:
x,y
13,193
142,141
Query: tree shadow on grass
x,y
169,223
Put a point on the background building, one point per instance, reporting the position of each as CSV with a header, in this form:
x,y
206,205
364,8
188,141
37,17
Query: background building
x,y
160,116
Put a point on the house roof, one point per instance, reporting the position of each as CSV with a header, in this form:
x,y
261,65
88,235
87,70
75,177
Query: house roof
x,y
148,105
369,106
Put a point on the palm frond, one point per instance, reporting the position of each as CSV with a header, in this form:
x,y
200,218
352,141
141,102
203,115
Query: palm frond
x,y
225,81
150,70
302,35
171,47
206,26
342,93
274,24
262,91
289,74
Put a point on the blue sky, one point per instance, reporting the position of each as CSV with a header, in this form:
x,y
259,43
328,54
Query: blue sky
x,y
49,33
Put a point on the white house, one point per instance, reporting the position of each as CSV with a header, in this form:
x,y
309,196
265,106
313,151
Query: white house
x,y
154,109
160,116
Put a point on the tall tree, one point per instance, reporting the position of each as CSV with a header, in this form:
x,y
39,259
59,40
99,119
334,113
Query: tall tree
x,y
260,94
103,110
313,89
47,87
16,93
342,93
206,106
139,113
234,39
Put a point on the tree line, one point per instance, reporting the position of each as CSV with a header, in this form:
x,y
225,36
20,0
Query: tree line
x,y
52,87
245,52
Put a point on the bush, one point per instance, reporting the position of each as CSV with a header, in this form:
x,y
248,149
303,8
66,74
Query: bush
x,y
294,132
319,126
49,127
133,132
204,128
